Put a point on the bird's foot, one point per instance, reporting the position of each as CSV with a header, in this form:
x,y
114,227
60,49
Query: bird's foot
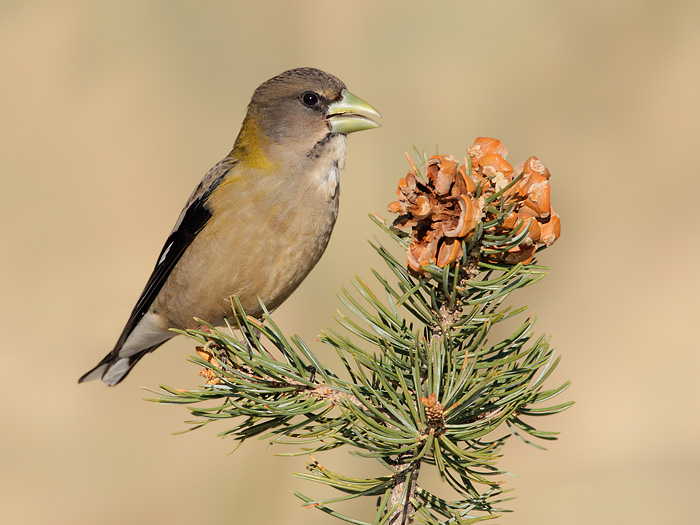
x,y
249,336
312,370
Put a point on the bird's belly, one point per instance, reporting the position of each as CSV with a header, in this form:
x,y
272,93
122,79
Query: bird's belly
x,y
249,258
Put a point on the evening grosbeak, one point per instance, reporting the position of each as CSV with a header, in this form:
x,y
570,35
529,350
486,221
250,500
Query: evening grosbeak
x,y
258,221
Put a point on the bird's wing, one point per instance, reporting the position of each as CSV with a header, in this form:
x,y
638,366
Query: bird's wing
x,y
193,218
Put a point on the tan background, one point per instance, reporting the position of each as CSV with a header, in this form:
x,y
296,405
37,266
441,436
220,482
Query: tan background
x,y
110,112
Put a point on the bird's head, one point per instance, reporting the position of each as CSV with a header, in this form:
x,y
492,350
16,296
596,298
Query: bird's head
x,y
292,112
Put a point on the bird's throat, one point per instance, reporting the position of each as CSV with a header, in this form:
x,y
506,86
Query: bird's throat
x,y
327,159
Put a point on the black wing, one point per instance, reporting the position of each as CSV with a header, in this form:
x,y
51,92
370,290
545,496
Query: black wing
x,y
194,219
191,221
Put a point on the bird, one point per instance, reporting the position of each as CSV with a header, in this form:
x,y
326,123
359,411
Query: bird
x,y
257,223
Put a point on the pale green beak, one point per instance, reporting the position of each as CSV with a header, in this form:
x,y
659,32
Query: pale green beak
x,y
351,113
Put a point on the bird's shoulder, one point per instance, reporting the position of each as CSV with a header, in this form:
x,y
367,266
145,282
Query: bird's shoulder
x,y
222,171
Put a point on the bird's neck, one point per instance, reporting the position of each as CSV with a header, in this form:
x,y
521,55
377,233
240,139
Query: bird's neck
x,y
250,146
315,161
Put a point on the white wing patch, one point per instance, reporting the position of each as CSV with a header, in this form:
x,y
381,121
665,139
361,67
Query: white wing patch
x,y
165,253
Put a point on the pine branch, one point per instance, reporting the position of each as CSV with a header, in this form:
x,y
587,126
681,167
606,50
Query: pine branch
x,y
403,492
421,386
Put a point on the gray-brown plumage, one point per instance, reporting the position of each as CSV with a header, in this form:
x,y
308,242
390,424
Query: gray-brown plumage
x,y
259,220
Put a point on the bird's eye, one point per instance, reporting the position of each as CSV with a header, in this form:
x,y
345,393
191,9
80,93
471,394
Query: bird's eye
x,y
309,99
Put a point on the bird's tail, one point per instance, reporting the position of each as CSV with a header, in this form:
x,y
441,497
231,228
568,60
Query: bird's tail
x,y
114,367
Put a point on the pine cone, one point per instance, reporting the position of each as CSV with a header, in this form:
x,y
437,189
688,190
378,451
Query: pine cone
x,y
442,211
435,413
210,375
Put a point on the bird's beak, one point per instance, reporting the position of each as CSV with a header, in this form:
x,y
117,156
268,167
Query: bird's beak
x,y
351,113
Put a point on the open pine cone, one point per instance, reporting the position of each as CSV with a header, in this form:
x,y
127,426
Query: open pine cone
x,y
443,210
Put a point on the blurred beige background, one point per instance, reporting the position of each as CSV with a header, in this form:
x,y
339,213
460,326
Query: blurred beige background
x,y
110,112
